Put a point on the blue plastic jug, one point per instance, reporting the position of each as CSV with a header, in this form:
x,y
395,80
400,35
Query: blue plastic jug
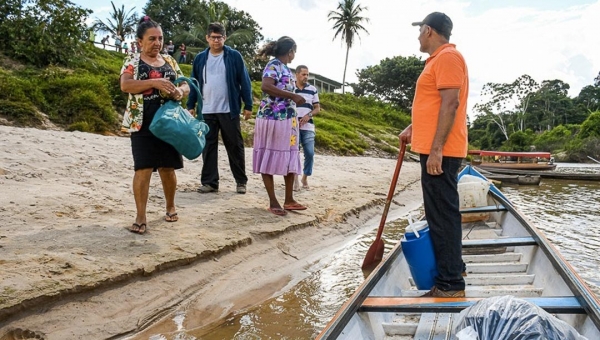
x,y
419,254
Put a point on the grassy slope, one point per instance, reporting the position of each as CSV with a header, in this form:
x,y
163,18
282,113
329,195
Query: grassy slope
x,y
87,97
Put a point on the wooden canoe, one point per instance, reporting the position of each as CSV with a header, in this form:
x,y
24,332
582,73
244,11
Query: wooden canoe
x,y
523,264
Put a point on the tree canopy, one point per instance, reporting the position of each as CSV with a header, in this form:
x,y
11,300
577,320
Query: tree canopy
x,y
187,22
393,80
542,116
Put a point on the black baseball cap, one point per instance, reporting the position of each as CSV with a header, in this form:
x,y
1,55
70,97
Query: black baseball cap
x,y
438,21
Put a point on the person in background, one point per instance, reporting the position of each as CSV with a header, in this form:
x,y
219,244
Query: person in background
x,y
104,41
225,86
276,134
125,47
306,112
118,41
148,78
439,134
182,53
133,46
170,48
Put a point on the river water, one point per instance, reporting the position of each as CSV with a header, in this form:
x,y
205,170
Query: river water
x,y
566,211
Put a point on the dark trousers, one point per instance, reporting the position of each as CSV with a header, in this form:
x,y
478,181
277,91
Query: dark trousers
x,y
231,133
442,211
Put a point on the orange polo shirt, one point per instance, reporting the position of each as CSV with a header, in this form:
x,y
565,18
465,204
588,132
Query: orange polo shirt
x,y
444,69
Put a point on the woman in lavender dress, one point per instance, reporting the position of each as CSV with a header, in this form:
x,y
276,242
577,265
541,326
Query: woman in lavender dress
x,y
276,133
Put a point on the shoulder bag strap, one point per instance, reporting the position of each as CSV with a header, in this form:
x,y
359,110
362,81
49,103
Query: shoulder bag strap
x,y
193,87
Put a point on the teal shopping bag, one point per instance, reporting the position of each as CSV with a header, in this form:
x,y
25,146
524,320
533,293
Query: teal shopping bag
x,y
176,126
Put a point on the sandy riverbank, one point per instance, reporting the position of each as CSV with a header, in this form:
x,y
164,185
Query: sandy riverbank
x,y
71,270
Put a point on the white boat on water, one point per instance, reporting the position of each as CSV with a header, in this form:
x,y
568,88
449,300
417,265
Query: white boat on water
x,y
505,256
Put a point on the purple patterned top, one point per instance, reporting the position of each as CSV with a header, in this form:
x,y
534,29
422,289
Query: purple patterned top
x,y
276,107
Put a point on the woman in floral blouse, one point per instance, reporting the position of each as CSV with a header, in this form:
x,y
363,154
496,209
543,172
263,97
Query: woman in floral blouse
x,y
276,134
148,78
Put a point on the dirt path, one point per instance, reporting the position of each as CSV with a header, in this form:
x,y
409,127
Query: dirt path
x,y
70,269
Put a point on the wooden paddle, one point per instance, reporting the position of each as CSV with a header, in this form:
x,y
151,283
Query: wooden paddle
x,y
375,252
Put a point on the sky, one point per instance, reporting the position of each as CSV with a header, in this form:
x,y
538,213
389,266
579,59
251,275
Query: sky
x,y
500,40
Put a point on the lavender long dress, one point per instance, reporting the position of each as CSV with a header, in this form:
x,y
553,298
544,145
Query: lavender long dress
x,y
276,133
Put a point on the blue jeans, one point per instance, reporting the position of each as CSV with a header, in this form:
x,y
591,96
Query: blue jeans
x,y
307,139
442,211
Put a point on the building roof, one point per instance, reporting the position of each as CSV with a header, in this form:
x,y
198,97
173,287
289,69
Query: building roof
x,y
319,77
325,79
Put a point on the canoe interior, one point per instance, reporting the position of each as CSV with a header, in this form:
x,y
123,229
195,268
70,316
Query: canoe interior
x,y
504,254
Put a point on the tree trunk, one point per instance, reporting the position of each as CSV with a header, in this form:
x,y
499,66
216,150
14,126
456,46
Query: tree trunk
x,y
345,66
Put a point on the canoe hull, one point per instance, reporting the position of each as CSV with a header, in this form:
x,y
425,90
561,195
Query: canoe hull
x,y
505,255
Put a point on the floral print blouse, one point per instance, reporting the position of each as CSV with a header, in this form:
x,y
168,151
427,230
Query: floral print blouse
x,y
134,111
277,108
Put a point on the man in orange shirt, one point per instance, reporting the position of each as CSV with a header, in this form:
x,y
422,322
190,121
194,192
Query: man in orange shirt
x,y
439,134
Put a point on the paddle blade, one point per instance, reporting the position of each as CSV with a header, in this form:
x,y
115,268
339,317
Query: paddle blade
x,y
374,254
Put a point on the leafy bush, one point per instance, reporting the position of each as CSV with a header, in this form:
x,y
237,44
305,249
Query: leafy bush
x,y
80,98
519,141
578,149
591,126
42,32
554,139
22,112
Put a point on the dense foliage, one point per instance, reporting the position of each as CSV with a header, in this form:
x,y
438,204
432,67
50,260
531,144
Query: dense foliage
x,y
187,22
42,32
525,115
393,80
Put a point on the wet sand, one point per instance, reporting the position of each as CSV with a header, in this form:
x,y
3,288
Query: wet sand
x,y
71,270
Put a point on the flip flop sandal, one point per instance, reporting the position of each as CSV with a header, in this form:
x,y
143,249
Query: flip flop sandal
x,y
277,211
169,217
296,206
138,228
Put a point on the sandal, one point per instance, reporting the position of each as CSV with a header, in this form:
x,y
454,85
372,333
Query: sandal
x,y
277,211
171,217
138,228
295,206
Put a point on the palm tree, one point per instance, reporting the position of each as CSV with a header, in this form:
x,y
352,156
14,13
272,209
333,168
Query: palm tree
x,y
349,23
119,22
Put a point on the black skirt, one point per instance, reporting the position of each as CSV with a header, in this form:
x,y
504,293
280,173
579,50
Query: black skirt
x,y
151,152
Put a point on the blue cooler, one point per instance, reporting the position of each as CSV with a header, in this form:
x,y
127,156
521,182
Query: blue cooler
x,y
419,254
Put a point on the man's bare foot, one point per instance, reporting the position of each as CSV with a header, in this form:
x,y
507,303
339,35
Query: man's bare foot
x,y
305,182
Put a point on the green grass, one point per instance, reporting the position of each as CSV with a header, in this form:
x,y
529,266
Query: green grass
x,y
87,97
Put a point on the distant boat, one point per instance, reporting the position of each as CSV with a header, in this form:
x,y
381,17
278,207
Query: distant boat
x,y
512,179
490,160
505,255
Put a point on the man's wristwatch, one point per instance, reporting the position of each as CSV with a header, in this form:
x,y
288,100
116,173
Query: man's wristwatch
x,y
310,115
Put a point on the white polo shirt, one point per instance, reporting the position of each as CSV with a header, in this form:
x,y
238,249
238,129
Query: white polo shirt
x,y
309,93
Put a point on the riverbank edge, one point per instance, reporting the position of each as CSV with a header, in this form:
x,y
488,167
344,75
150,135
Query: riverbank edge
x,y
359,214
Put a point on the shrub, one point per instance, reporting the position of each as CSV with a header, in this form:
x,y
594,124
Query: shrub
x,y
42,32
80,98
553,140
22,112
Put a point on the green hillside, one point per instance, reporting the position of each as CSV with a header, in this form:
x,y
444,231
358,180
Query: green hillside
x,y
87,98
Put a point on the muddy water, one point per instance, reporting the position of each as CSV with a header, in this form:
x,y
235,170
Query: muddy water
x,y
566,211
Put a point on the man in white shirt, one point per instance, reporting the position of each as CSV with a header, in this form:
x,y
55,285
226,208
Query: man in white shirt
x,y
170,48
226,91
306,112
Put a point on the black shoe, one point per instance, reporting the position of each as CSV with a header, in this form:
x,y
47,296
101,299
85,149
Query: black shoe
x,y
241,188
206,189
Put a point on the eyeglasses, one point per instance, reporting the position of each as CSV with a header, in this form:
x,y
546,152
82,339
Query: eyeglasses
x,y
216,37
